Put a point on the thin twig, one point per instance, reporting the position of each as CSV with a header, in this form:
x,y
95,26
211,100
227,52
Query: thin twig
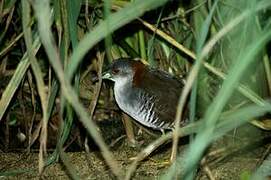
x,y
208,172
100,57
265,154
9,46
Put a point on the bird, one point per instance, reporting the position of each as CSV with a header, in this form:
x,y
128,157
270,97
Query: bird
x,y
148,95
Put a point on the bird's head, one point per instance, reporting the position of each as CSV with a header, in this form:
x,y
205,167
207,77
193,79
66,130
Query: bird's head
x,y
125,70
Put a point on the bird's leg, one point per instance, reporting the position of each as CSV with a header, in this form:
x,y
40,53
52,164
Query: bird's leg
x,y
166,162
129,129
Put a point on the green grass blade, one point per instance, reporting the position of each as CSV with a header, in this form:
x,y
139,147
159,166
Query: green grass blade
x,y
202,139
115,21
16,79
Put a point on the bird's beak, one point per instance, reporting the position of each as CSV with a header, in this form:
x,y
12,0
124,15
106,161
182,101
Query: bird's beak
x,y
107,75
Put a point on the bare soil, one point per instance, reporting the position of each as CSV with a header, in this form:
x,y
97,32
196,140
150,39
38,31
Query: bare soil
x,y
234,163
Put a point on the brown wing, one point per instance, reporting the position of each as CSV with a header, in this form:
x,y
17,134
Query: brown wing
x,y
165,91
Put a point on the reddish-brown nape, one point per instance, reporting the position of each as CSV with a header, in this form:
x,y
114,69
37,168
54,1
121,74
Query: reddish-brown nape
x,y
139,69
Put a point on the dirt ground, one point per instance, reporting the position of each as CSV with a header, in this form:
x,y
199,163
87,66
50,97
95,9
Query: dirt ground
x,y
234,165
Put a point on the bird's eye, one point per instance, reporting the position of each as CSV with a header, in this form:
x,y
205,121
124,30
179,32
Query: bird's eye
x,y
115,71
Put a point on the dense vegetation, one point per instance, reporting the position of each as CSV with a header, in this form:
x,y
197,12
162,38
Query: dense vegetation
x,y
50,52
